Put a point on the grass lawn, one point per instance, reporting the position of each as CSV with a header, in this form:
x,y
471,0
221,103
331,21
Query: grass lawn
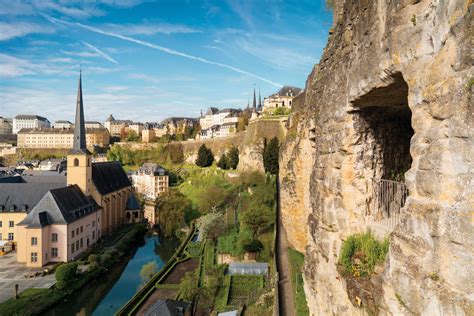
x,y
296,262
229,243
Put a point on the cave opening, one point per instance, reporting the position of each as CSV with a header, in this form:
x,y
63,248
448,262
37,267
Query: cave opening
x,y
383,123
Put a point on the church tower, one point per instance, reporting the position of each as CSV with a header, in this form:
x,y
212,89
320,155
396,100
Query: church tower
x,y
79,170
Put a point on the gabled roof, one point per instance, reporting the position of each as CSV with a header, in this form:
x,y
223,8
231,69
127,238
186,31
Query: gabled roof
x,y
110,118
109,177
168,308
60,206
15,196
287,90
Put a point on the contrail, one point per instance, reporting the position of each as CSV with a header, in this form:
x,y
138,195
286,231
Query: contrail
x,y
162,48
101,53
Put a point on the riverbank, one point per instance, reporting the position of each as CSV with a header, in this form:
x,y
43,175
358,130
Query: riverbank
x,y
39,301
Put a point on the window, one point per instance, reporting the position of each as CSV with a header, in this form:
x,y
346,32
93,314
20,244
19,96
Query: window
x,y
88,162
72,247
11,224
93,224
34,241
1,236
54,252
82,243
76,162
82,230
72,233
54,237
77,244
10,236
1,224
93,235
34,257
77,231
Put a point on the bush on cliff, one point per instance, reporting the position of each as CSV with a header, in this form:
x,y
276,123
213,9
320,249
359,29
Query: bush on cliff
x,y
205,157
233,158
360,254
223,162
270,156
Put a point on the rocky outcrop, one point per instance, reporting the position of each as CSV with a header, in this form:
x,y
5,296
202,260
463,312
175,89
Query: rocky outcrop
x,y
392,99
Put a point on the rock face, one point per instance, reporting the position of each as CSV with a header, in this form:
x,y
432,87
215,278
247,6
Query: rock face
x,y
391,99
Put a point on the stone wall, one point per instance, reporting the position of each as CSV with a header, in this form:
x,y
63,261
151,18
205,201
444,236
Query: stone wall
x,y
376,47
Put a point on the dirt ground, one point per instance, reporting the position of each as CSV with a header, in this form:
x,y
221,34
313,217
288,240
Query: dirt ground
x,y
180,270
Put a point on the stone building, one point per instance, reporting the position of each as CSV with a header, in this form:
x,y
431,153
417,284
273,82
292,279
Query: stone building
x,y
151,180
56,221
29,121
6,126
93,124
60,138
116,127
384,143
282,99
178,125
148,135
63,124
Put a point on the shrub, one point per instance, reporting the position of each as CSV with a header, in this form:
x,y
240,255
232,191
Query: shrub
x,y
270,156
233,157
223,162
65,273
252,245
92,258
205,157
105,259
360,254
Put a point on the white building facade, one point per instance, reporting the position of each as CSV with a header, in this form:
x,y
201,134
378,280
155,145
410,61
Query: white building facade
x,y
29,121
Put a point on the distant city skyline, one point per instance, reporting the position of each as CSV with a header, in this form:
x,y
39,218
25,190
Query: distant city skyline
x,y
146,61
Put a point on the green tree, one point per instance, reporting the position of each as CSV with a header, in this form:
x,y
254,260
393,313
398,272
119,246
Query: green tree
x,y
270,156
257,217
148,271
132,136
171,207
65,273
188,288
223,162
205,157
212,225
233,157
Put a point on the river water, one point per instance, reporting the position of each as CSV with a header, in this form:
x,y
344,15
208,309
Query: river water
x,y
103,297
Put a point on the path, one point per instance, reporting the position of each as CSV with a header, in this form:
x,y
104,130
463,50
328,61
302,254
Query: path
x,y
12,272
285,287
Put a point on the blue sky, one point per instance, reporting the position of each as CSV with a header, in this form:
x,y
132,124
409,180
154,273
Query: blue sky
x,y
147,60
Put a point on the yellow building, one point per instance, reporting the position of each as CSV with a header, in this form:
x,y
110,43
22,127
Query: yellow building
x,y
60,137
68,220
282,99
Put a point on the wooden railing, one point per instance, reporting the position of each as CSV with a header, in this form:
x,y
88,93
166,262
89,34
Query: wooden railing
x,y
388,197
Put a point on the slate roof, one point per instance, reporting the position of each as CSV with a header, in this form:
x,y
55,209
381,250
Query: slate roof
x,y
289,89
60,206
152,168
31,117
132,203
109,177
212,110
62,122
16,195
229,110
110,118
167,308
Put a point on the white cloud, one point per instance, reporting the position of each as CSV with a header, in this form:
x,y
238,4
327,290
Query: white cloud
x,y
149,28
80,54
13,30
163,49
98,51
11,67
143,77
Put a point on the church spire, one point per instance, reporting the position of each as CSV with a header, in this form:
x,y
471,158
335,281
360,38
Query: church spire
x,y
259,100
254,100
79,143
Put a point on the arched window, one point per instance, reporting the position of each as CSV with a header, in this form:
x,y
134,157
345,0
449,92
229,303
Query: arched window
x,y
76,162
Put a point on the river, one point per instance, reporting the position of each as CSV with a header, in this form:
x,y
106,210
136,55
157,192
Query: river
x,y
103,297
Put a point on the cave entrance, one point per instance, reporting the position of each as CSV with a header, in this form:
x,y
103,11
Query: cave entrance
x,y
383,121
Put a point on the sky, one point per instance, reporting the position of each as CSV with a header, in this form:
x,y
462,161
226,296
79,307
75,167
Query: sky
x,y
148,60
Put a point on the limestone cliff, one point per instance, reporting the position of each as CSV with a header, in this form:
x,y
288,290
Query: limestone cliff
x,y
391,99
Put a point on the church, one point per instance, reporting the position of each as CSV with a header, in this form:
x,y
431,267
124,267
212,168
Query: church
x,y
68,220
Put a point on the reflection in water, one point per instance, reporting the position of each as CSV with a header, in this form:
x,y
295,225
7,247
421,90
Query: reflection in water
x,y
106,295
